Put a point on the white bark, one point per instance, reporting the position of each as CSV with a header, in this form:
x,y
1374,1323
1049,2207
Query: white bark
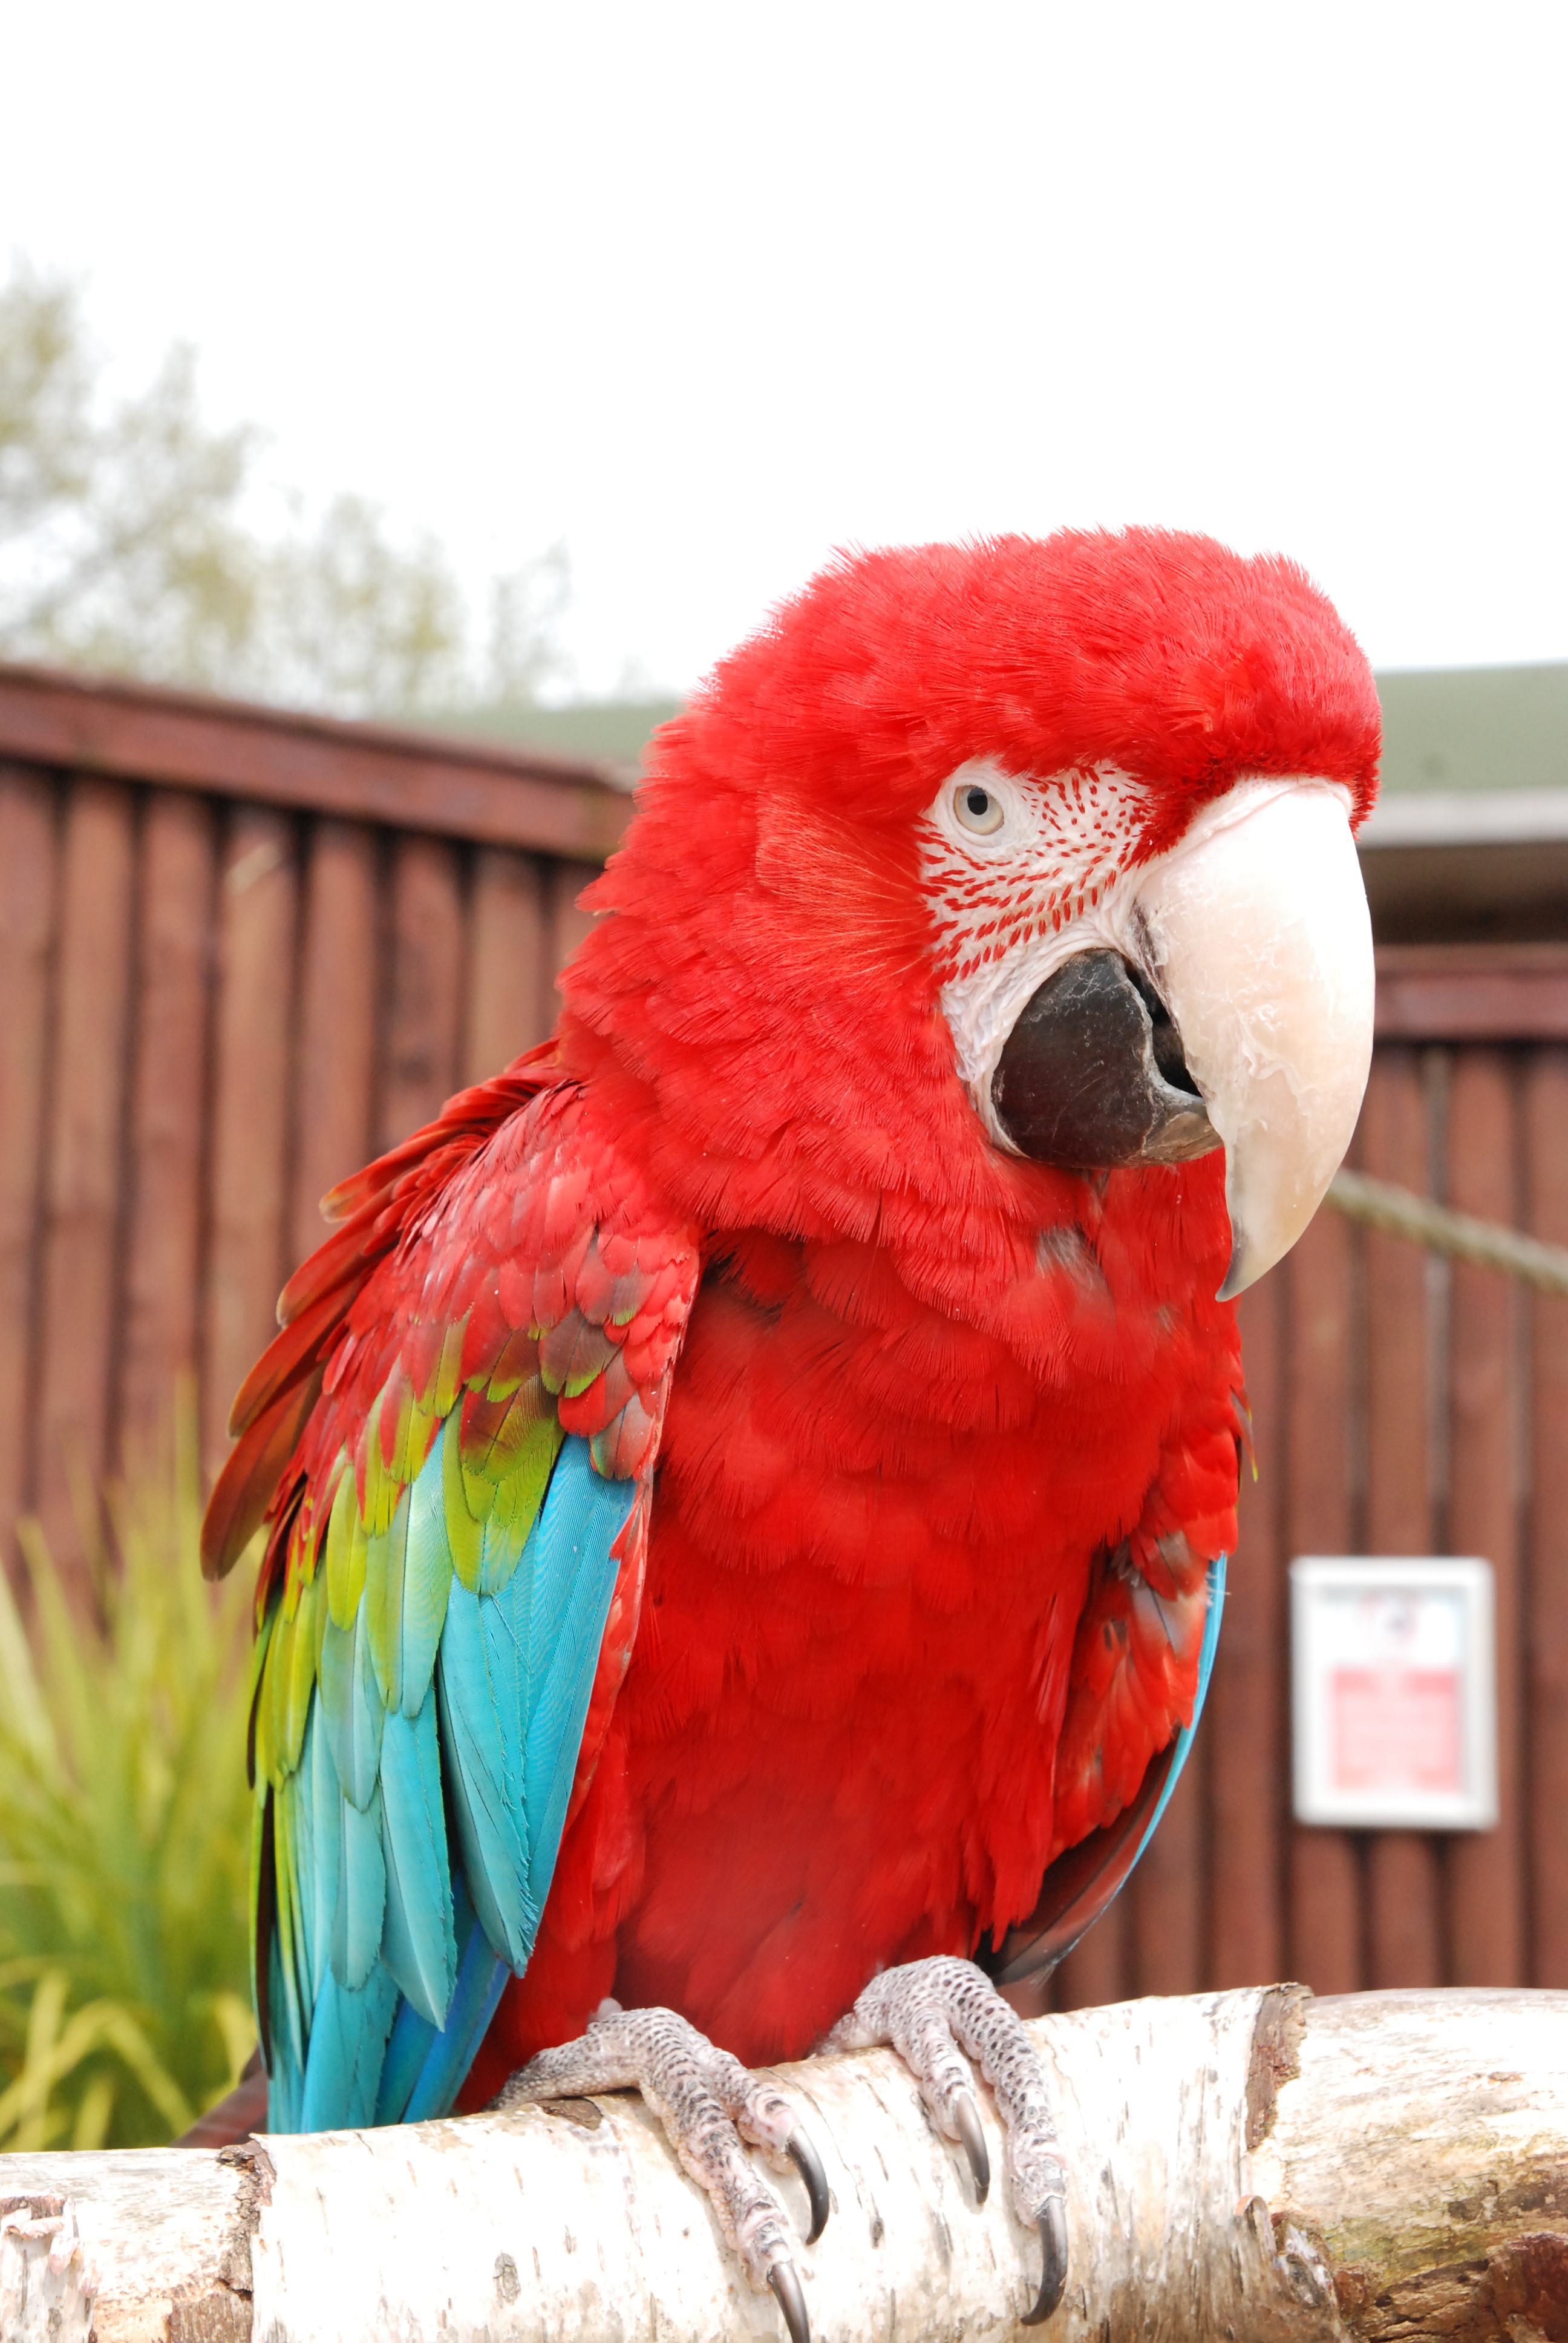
x,y
1244,2166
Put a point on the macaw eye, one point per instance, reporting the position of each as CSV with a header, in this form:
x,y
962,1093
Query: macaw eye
x,y
977,810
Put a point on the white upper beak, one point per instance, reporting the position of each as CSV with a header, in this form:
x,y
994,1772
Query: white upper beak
x,y
1255,932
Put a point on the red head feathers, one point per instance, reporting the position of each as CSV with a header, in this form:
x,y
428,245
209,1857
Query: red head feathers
x,y
769,900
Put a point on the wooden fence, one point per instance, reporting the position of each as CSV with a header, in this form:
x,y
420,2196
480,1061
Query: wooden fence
x,y
240,951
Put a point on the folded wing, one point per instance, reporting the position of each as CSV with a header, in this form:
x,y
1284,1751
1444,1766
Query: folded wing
x,y
452,1441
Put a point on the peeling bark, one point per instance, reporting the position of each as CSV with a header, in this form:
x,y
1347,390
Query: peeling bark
x,y
1254,2168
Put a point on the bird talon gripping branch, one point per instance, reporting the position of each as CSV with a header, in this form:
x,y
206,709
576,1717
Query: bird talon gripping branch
x,y
746,1490
939,2014
708,2103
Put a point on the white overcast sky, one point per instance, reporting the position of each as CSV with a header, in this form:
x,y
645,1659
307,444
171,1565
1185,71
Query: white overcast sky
x,y
706,291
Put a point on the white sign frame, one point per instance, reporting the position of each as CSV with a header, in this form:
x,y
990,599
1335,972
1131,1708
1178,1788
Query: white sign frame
x,y
1322,1588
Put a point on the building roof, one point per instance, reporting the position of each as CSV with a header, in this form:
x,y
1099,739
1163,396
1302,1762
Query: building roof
x,y
612,733
1474,728
1469,839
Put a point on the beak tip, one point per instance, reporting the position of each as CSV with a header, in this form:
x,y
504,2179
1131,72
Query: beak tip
x,y
1237,1276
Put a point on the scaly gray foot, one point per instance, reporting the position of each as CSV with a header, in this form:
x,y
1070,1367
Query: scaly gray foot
x,y
708,2103
934,2012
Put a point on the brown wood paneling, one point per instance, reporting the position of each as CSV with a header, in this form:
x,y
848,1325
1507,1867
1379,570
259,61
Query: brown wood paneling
x,y
568,922
1473,1008
1404,1921
27,934
1098,1969
173,964
336,1062
424,1037
246,1261
1325,1932
1472,992
1243,1724
85,1179
1167,1892
1546,1620
511,1004
1486,1913
408,780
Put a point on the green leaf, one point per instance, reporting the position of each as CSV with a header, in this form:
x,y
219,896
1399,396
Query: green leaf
x,y
124,1822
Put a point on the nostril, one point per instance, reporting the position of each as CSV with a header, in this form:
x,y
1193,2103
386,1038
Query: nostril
x,y
1168,1054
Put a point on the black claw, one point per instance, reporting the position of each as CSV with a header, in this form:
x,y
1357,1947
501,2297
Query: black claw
x,y
966,2115
809,2165
785,2285
1053,2278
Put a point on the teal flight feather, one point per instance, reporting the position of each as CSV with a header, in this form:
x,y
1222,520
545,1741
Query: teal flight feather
x,y
355,1710
361,1893
417,1944
482,1745
571,1585
425,2064
451,1696
348,2033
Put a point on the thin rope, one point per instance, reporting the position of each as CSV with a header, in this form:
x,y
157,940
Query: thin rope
x,y
1398,1213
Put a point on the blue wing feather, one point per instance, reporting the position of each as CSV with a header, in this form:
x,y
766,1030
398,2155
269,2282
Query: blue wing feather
x,y
361,1894
355,1711
325,1797
417,1943
424,2066
573,1580
470,1705
479,1720
348,2032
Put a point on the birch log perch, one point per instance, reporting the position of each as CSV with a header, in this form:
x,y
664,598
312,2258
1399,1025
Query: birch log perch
x,y
1244,2166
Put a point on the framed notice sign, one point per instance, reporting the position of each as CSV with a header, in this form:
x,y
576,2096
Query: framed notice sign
x,y
1393,1694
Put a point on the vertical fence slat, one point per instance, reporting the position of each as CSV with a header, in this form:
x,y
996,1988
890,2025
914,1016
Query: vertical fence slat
x,y
1325,1881
423,1040
510,1006
1165,1918
168,1103
1096,1970
250,1111
567,924
1486,1913
334,1079
1404,1924
85,1177
26,913
1546,1636
1244,1723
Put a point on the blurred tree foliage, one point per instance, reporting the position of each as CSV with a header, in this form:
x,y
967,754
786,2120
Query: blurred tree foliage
x,y
124,547
125,1832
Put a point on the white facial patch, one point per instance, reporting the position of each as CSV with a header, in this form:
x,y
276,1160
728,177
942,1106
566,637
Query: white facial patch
x,y
1014,898
1252,929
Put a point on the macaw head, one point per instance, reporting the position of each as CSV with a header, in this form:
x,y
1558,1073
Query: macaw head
x,y
1029,853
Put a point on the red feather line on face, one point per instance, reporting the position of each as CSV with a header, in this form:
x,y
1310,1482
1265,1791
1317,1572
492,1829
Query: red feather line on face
x,y
1087,826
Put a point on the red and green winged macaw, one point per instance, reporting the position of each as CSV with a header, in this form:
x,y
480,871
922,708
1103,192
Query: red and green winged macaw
x,y
747,1490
